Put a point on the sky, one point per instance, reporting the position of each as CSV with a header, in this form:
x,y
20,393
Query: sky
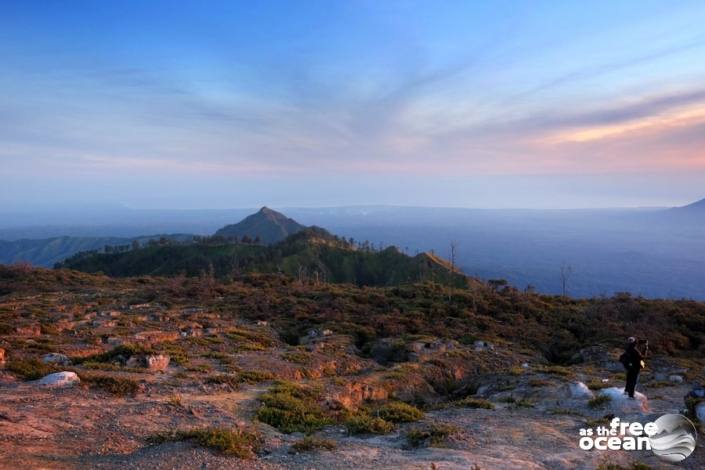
x,y
224,104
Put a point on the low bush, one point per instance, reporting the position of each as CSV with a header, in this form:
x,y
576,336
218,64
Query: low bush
x,y
470,402
224,379
433,436
120,386
599,401
310,443
399,412
363,423
255,376
30,369
292,408
237,442
119,353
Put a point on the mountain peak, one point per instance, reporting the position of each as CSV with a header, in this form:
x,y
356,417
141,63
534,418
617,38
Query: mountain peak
x,y
266,224
696,206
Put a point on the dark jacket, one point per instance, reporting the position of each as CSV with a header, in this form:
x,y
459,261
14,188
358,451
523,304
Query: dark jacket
x,y
634,357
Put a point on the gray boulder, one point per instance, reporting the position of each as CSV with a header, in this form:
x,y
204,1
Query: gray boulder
x,y
59,379
56,358
580,390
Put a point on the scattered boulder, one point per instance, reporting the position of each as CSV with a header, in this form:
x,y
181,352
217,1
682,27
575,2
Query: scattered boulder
x,y
420,349
484,390
157,362
193,330
59,379
700,411
56,358
580,390
696,392
262,323
483,346
621,403
675,378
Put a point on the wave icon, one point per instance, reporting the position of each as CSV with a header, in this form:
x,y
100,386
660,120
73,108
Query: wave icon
x,y
675,439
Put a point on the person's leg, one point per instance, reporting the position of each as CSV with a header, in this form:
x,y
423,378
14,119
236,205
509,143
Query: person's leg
x,y
631,382
636,380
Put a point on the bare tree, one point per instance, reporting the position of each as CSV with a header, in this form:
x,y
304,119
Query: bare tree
x,y
566,273
453,249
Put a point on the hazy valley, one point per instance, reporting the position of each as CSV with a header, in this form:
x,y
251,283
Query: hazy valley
x,y
650,252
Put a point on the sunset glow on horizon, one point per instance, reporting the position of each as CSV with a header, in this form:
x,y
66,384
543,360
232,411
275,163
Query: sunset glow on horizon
x,y
491,100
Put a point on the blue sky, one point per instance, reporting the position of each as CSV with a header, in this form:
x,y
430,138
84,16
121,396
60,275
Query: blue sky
x,y
232,104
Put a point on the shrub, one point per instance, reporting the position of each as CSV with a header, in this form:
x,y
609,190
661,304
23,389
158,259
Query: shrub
x,y
30,369
237,442
603,421
120,386
122,352
255,376
365,424
434,436
292,408
310,443
399,412
225,379
175,400
470,402
597,385
599,401
297,357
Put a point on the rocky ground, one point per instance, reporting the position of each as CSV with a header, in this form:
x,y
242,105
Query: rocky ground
x,y
74,427
144,369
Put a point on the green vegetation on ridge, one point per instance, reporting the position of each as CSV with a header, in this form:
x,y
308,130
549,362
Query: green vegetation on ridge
x,y
311,254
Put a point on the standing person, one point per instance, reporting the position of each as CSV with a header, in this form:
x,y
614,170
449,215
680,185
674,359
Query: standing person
x,y
633,361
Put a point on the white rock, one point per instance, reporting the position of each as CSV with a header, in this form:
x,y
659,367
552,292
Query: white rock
x,y
580,390
525,365
483,346
56,358
676,378
621,402
700,411
59,379
482,390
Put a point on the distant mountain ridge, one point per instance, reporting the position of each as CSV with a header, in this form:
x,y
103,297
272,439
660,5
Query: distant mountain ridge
x,y
49,251
309,254
266,225
697,206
